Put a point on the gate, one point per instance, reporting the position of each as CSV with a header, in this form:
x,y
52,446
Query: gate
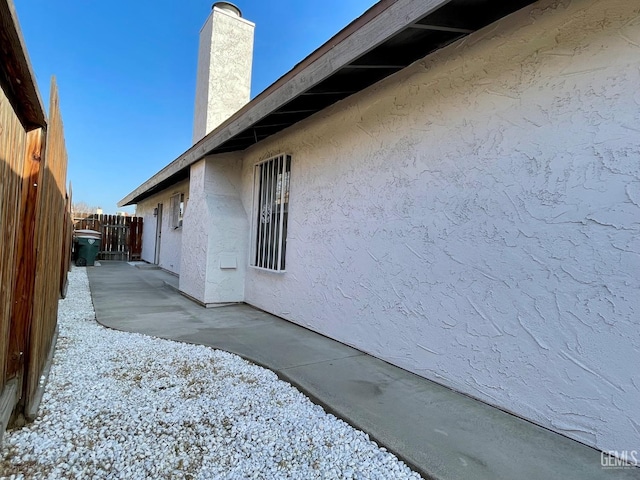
x,y
121,236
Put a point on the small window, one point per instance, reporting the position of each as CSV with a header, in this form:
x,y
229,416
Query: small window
x,y
177,209
271,210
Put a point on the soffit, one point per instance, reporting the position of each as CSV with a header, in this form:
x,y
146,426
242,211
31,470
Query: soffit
x,y
387,38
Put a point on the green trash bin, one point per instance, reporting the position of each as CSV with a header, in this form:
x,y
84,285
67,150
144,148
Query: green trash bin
x,y
87,247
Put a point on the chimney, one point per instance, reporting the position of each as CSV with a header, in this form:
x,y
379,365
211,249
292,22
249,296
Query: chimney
x,y
223,82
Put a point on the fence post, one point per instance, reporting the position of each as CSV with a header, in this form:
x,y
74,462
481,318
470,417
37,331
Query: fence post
x,y
22,312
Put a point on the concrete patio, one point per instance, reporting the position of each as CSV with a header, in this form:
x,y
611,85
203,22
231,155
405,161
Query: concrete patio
x,y
438,432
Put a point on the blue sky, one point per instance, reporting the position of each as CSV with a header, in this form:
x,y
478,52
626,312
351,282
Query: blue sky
x,y
126,75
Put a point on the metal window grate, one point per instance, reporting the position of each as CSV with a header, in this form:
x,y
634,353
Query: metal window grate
x,y
271,212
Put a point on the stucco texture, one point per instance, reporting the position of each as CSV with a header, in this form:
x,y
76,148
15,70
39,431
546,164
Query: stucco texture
x,y
223,82
475,219
215,238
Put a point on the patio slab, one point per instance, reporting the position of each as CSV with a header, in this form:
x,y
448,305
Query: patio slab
x,y
440,433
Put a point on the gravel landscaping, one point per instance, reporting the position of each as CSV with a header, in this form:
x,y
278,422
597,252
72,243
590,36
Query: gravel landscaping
x,y
122,405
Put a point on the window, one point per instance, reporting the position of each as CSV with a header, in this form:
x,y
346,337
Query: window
x,y
271,210
177,209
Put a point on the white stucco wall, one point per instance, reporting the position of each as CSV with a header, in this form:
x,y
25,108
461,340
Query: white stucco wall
x,y
171,246
193,266
223,80
475,219
214,260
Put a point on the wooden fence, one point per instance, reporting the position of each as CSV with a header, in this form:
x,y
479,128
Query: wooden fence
x,y
50,245
35,225
121,236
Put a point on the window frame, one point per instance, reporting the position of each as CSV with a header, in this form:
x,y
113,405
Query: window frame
x,y
177,210
271,186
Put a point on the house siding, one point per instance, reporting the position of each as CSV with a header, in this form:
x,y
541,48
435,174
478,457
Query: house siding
x,y
474,219
171,246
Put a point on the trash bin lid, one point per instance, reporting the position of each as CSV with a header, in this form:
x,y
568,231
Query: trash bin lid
x,y
86,233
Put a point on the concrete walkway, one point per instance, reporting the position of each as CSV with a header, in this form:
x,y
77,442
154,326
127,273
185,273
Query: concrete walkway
x,y
439,433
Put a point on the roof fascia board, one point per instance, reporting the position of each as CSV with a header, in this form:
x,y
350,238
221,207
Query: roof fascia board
x,y
305,75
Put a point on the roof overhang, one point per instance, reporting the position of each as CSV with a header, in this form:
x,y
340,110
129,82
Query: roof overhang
x,y
387,38
16,75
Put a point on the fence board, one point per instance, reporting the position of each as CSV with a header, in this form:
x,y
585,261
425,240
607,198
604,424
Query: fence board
x,y
22,315
12,147
66,246
135,238
50,237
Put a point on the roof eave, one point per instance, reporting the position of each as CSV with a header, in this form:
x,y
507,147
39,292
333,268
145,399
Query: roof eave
x,y
378,23
384,40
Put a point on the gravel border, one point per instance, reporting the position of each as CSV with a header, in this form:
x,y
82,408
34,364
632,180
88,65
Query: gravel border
x,y
125,405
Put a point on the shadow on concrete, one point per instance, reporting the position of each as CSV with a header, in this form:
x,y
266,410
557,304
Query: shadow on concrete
x,y
438,432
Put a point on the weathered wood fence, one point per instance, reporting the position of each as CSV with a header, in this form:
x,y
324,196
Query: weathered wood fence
x,y
35,225
121,236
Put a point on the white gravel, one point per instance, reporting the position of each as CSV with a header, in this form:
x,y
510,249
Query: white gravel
x,y
121,405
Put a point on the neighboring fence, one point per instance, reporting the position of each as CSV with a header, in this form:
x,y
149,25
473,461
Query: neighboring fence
x,y
34,225
121,236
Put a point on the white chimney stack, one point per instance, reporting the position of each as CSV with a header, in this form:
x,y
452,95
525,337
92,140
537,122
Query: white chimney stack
x,y
223,83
